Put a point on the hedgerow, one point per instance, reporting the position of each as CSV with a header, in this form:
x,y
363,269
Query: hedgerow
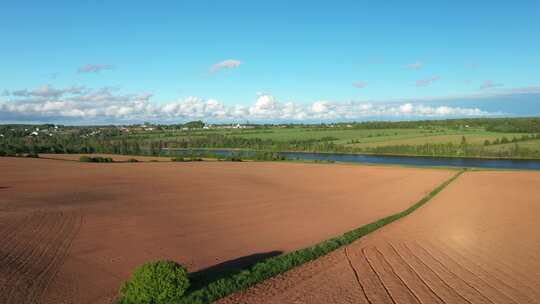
x,y
280,264
96,159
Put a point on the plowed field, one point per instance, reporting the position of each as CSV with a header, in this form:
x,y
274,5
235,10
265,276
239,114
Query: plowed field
x,y
478,241
73,232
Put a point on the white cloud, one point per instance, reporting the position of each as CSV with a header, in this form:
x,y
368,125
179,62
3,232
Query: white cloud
x,y
415,66
319,107
360,84
225,64
406,108
426,82
488,84
47,102
94,68
46,91
108,105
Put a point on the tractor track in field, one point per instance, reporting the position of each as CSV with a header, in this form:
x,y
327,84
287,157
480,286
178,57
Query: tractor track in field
x,y
33,249
355,272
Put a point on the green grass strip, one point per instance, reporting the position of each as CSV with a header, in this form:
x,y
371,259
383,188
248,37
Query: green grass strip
x,y
280,264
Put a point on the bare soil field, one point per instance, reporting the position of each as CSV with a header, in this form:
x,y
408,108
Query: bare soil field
x,y
477,241
73,232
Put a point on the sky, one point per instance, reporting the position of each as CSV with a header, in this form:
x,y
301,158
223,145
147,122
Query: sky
x,y
83,62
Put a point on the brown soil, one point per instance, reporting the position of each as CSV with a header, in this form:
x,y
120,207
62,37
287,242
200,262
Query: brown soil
x,y
73,232
478,241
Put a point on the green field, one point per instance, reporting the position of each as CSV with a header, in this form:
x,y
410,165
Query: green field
x,y
474,138
354,138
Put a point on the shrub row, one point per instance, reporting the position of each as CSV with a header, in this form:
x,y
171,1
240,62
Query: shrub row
x,y
31,154
95,159
182,159
234,159
277,265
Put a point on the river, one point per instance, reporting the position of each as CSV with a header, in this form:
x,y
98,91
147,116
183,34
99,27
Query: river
x,y
381,159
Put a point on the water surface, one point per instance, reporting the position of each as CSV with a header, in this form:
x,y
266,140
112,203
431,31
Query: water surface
x,y
380,159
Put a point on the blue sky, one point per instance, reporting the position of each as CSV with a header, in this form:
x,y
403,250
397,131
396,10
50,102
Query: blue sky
x,y
277,60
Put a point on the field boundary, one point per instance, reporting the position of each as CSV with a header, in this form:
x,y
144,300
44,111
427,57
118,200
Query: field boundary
x,y
280,264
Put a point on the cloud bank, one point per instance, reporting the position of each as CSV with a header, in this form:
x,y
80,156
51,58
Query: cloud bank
x,y
106,104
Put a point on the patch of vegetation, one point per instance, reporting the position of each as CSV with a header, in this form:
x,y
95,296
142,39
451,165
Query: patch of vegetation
x,y
269,156
12,154
161,282
95,159
185,159
282,263
132,160
238,156
323,161
234,159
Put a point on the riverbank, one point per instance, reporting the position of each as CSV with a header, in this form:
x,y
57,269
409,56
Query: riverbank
x,y
357,153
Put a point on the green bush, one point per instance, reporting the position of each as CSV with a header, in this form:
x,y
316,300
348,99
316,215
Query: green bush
x,y
97,159
182,159
234,159
132,160
85,159
161,282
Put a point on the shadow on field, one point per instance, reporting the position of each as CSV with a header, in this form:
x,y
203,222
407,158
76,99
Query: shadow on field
x,y
203,277
2,188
